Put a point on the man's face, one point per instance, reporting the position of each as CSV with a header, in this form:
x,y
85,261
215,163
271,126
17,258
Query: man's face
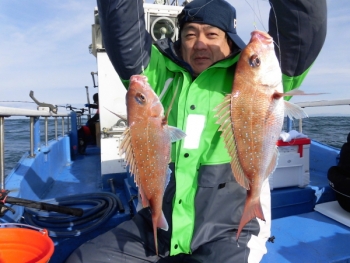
x,y
202,45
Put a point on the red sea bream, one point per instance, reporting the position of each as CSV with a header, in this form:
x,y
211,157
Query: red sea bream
x,y
147,144
251,119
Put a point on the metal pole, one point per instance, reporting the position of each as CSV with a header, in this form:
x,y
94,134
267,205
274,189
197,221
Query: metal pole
x,y
88,100
2,149
56,128
46,132
31,136
78,120
62,126
289,124
36,134
68,123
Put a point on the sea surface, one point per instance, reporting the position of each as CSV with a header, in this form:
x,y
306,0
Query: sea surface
x,y
328,130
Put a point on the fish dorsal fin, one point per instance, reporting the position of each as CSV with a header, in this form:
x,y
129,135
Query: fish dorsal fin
x,y
273,164
224,120
125,147
293,111
176,134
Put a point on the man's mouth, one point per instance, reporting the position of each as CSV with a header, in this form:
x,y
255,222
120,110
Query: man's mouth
x,y
200,58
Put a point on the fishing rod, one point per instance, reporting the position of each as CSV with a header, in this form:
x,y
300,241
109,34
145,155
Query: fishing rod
x,y
21,101
4,198
88,100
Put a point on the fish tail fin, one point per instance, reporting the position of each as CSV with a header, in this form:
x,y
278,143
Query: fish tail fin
x,y
155,229
158,222
251,210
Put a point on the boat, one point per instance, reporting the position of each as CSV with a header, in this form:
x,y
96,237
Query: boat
x,y
52,183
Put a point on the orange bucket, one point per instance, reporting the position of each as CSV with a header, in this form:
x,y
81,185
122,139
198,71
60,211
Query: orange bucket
x,y
23,245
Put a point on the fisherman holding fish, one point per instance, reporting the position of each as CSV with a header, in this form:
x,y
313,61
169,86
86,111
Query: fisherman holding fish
x,y
217,203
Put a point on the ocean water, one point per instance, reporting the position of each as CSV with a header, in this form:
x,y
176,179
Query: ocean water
x,y
328,130
17,138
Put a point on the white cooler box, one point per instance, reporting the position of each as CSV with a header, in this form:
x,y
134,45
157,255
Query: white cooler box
x,y
292,165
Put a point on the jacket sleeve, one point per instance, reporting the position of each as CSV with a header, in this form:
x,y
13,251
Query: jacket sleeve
x,y
299,27
124,35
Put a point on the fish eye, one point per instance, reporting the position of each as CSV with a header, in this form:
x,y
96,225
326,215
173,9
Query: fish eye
x,y
254,61
140,98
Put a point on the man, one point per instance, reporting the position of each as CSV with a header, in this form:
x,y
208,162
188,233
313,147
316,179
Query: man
x,y
87,132
203,203
339,176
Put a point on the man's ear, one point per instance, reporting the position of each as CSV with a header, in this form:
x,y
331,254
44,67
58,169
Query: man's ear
x,y
230,43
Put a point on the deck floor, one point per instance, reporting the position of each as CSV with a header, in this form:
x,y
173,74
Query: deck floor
x,y
306,238
82,176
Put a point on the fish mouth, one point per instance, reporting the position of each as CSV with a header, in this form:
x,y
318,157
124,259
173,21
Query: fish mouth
x,y
261,36
139,78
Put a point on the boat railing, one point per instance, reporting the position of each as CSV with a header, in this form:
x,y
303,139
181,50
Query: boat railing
x,y
34,129
320,103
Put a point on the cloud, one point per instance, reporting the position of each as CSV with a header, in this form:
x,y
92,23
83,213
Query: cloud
x,y
46,51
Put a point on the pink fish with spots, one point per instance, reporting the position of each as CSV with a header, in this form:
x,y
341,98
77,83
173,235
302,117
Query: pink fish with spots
x,y
147,145
251,119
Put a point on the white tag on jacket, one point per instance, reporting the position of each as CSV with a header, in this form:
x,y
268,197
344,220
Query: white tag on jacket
x,y
194,129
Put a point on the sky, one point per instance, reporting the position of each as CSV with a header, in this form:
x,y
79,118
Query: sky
x,y
44,48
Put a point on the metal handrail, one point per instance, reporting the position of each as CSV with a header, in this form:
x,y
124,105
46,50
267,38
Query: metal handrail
x,y
319,103
9,111
2,165
33,114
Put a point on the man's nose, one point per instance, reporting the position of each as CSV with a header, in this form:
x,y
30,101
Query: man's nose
x,y
200,42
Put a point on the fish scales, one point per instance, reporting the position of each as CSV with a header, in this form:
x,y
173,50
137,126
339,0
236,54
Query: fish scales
x,y
151,150
147,144
251,119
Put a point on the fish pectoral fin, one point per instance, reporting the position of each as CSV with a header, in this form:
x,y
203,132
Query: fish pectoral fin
x,y
296,92
176,134
162,223
293,111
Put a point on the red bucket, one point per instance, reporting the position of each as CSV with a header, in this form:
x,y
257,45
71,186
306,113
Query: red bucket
x,y
23,245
